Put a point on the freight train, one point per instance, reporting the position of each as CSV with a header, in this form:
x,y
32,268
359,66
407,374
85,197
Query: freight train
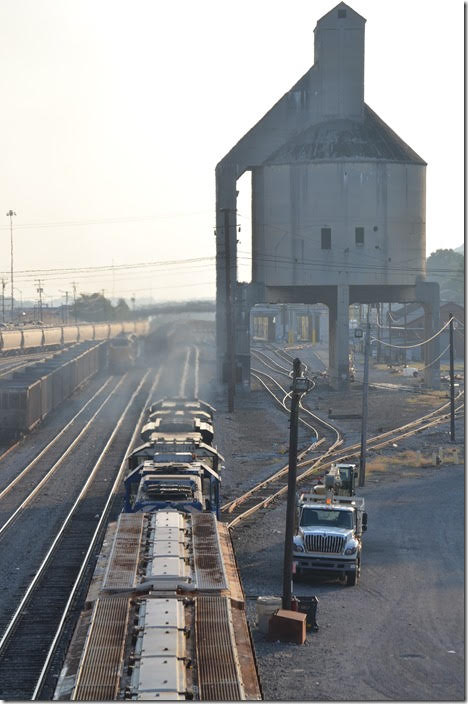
x,y
28,395
165,614
123,352
14,341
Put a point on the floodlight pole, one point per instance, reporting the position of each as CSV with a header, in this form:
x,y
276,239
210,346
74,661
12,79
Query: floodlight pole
x,y
10,215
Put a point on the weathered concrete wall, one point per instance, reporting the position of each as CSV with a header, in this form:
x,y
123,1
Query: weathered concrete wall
x,y
293,203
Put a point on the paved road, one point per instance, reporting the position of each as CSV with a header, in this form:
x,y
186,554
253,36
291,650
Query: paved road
x,y
400,633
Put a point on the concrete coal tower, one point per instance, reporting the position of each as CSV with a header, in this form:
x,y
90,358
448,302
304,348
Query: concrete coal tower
x,y
338,203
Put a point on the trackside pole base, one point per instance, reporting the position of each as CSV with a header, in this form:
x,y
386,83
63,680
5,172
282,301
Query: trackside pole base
x,y
288,627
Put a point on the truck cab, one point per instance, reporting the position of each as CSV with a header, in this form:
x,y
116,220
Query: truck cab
x,y
330,522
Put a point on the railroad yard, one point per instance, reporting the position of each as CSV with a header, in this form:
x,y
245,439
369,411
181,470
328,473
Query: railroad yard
x,y
232,347
397,635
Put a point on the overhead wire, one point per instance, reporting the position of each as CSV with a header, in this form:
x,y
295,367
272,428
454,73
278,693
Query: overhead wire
x,y
419,344
435,360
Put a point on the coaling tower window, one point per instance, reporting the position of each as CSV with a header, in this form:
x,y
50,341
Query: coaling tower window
x,y
359,234
326,238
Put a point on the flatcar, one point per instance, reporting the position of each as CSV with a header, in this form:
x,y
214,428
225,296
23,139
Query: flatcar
x,y
166,581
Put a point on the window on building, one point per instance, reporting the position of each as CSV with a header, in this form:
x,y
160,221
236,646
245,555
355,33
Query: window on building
x,y
326,238
341,13
359,234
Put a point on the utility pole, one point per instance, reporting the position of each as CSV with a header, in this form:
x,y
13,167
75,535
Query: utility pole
x,y
365,390
379,307
3,299
406,335
390,332
74,284
40,291
452,384
10,215
230,337
65,312
300,385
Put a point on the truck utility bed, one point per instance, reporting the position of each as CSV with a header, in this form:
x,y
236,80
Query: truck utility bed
x,y
352,501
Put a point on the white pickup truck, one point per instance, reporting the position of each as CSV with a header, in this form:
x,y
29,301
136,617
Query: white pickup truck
x,y
329,527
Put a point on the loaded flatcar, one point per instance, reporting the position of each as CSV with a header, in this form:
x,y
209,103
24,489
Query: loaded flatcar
x,y
166,580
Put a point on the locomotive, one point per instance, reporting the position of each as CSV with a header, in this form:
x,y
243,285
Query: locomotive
x,y
177,466
166,579
123,352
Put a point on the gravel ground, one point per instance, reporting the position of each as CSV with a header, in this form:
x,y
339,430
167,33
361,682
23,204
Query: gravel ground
x,y
399,633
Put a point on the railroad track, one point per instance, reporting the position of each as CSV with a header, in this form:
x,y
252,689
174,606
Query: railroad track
x,y
10,366
189,383
263,494
29,627
53,660
271,364
260,495
46,462
263,377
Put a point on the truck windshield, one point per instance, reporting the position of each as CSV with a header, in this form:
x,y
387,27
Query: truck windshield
x,y
326,517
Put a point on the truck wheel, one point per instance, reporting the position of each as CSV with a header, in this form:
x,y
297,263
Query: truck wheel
x,y
352,578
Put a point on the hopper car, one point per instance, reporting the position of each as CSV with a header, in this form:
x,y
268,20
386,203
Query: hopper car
x,y
16,341
167,581
30,394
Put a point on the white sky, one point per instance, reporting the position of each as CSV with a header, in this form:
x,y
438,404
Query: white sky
x,y
115,113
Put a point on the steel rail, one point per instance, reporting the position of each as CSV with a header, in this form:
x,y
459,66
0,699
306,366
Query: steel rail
x,y
57,464
42,567
319,466
285,355
183,381
196,384
258,354
231,505
102,521
318,463
317,418
255,372
416,421
9,449
31,464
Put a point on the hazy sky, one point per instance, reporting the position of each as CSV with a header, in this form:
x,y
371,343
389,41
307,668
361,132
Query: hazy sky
x,y
115,113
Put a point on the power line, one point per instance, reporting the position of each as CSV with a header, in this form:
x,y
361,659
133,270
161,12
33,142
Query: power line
x,y
104,221
116,267
435,360
419,344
